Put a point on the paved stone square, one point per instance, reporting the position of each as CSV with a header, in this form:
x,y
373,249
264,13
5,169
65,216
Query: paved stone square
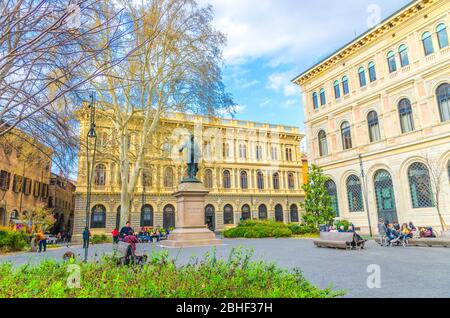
x,y
405,272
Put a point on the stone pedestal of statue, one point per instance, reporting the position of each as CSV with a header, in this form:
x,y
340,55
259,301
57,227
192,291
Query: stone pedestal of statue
x,y
190,229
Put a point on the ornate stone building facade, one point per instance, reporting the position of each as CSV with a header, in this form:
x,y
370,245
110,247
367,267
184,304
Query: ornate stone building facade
x,y
252,170
378,119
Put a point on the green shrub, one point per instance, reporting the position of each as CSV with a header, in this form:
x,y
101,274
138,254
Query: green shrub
x,y
238,276
100,239
338,224
13,241
300,229
258,229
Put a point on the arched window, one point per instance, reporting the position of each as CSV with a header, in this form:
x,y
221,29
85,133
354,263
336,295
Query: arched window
x,y
226,179
262,212
14,215
403,53
346,135
279,213
100,175
323,99
228,217
244,180
294,213
345,87
354,194
442,35
276,181
323,147
146,178
260,180
443,97
330,185
392,64
147,215
362,77
315,100
427,42
420,186
291,181
374,126
337,90
98,217
372,72
406,116
448,170
246,212
168,177
118,217
208,179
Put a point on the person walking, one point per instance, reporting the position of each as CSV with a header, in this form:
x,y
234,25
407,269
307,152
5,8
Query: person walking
x,y
42,241
86,236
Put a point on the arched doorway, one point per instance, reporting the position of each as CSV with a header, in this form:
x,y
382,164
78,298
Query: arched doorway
x,y
2,216
168,216
228,217
330,185
279,213
210,217
246,215
262,212
385,196
146,215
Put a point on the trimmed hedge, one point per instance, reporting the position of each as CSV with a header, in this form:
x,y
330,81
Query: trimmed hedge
x,y
238,276
300,229
100,239
264,229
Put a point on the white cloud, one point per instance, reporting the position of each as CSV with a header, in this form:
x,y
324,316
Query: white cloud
x,y
281,82
285,30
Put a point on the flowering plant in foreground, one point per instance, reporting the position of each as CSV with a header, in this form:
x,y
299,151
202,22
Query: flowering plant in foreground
x,y
238,276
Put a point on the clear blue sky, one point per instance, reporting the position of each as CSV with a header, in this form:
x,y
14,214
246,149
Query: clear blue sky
x,y
272,41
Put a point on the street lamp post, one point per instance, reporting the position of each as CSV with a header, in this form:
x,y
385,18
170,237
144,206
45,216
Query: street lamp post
x,y
91,136
366,197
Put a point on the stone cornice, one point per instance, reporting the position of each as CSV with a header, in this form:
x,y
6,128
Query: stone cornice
x,y
370,36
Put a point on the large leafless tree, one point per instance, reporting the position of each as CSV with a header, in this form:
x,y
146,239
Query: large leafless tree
x,y
46,47
178,69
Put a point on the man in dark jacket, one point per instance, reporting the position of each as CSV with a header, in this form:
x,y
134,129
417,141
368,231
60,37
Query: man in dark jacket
x,y
126,230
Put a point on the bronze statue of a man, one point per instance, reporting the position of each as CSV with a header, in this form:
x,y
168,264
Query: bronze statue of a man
x,y
192,158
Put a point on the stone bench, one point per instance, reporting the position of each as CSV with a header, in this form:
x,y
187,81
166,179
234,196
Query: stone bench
x,y
443,240
341,240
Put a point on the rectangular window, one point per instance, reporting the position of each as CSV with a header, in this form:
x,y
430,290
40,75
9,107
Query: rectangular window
x,y
5,179
17,183
37,189
44,191
26,186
